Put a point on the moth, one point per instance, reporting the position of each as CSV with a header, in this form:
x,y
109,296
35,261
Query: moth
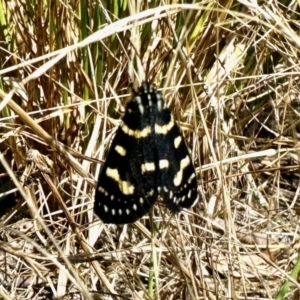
x,y
148,158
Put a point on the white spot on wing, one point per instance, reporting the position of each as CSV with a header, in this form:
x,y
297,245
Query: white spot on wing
x,y
127,211
141,201
150,193
120,212
105,208
113,212
189,194
134,207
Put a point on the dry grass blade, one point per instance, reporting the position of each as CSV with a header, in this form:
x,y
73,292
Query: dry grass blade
x,y
229,71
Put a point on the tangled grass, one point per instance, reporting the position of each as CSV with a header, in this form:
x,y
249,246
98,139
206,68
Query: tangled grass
x,y
228,71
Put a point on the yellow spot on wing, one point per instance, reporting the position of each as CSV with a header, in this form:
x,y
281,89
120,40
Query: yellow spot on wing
x,y
163,164
177,141
164,129
191,178
148,167
136,133
126,187
183,164
120,150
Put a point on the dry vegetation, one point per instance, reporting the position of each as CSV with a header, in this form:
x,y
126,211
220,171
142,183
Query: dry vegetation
x,y
229,72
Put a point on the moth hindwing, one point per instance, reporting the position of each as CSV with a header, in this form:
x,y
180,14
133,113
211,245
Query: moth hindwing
x,y
148,157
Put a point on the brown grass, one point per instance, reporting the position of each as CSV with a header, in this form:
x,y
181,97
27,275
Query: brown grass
x,y
229,72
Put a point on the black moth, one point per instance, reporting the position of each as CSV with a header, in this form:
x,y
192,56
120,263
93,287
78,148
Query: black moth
x,y
148,157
